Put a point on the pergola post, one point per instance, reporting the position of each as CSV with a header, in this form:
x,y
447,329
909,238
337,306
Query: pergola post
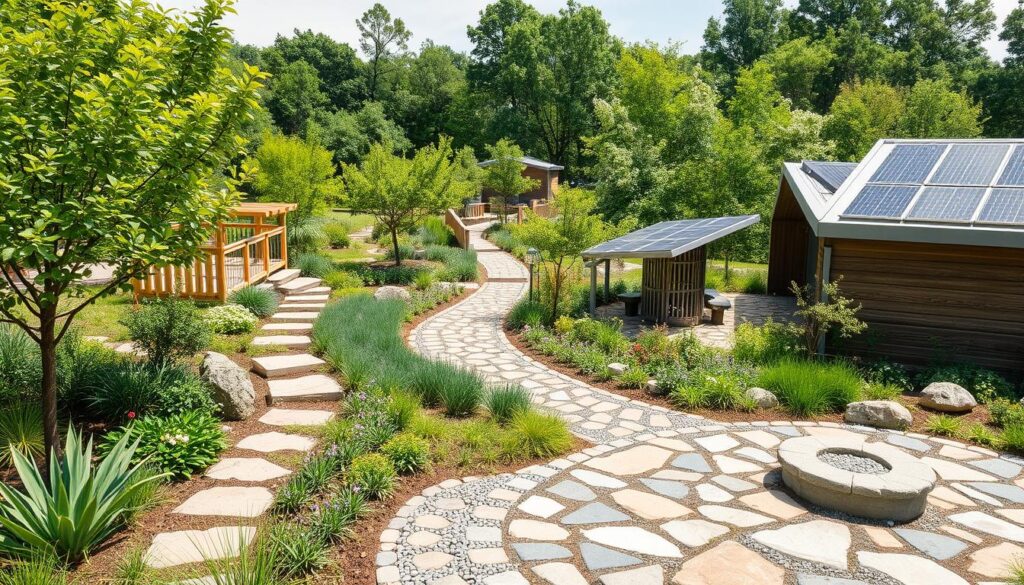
x,y
593,288
607,278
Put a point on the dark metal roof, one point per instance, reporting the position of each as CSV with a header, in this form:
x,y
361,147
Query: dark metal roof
x,y
830,174
670,238
530,162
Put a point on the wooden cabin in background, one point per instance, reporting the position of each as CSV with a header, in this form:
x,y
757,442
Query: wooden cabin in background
x,y
545,172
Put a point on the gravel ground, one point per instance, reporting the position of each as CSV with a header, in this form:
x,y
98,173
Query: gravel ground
x,y
852,462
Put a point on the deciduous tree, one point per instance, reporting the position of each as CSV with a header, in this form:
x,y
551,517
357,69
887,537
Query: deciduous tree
x,y
297,171
381,39
504,176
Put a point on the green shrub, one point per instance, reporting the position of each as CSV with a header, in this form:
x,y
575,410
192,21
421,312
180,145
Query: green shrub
x,y
433,231
293,495
297,550
984,384
21,429
808,388
634,377
230,319
719,387
331,522
881,391
1006,412
374,475
337,235
80,506
943,424
179,444
982,435
526,313
423,281
408,453
1013,437
460,266
767,344
421,301
314,265
382,275
534,434
461,394
506,402
167,329
342,279
889,374
122,386
402,407
20,367
754,282
439,253
261,302
405,251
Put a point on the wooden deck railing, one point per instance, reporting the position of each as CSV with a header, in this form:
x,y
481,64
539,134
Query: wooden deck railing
x,y
453,221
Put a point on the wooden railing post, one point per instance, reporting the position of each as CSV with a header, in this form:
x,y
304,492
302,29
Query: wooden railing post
x,y
222,276
245,263
284,239
265,247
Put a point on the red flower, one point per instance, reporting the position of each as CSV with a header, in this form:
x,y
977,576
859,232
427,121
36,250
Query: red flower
x,y
131,414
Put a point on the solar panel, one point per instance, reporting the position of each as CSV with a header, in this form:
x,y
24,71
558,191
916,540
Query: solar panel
x,y
970,164
830,174
955,204
1004,206
670,238
881,201
908,163
1013,174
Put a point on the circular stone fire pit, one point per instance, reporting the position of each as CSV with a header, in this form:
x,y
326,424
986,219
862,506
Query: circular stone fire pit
x,y
871,480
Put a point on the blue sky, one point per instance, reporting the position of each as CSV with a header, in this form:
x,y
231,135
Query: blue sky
x,y
445,21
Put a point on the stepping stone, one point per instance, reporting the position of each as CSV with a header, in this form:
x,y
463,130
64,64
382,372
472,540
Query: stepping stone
x,y
717,443
506,578
674,444
634,539
296,315
651,575
192,546
818,541
908,442
277,366
536,530
731,465
994,560
1014,515
318,290
631,461
301,284
806,579
649,506
307,298
540,552
246,469
597,557
713,493
287,327
694,533
1011,493
756,455
572,490
774,502
560,574
740,518
762,439
961,534
488,556
693,462
301,306
733,484
990,525
430,561
432,521
541,507
934,545
596,513
450,580
950,471
297,341
241,502
483,534
976,495
729,563
909,569
489,513
274,441
671,489
422,538
283,276
314,388
676,475
596,479
281,417
944,493
1000,467
957,453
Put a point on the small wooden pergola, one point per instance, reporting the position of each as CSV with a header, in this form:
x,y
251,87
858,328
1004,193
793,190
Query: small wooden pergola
x,y
249,247
674,255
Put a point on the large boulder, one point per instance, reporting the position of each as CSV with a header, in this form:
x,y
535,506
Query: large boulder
x,y
763,398
884,414
232,388
947,397
388,293
617,369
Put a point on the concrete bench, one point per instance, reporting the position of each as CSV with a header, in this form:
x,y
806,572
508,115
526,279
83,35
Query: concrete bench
x,y
715,301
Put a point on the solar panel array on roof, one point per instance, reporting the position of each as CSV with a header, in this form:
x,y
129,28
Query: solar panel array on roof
x,y
831,175
945,183
670,238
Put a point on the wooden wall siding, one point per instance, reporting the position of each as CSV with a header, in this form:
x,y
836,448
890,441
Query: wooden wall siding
x,y
787,253
672,289
544,191
926,302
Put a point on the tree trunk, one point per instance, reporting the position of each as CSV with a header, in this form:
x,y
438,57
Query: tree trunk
x,y
558,291
48,352
394,242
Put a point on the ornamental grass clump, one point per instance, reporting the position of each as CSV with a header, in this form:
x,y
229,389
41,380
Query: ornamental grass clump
x,y
21,430
261,302
506,402
314,265
535,434
809,387
461,392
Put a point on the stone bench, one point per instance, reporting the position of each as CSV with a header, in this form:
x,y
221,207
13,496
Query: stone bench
x,y
632,302
718,304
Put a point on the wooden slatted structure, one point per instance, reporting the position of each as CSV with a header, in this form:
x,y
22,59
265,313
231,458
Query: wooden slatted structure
x,y
245,250
672,289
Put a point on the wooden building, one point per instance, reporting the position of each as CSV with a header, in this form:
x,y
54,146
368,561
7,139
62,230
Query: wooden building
x,y
927,235
546,173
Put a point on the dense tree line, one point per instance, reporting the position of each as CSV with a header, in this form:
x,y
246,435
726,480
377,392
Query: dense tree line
x,y
656,132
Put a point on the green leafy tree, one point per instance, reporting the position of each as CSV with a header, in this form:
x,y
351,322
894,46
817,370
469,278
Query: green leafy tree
x,y
295,95
338,67
800,67
935,110
381,39
298,171
862,114
349,134
113,117
561,239
400,192
824,312
504,177
749,31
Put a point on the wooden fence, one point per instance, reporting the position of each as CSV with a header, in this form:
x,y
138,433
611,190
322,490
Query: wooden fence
x,y
453,221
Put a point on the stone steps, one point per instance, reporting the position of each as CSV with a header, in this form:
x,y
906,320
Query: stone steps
x,y
293,341
301,306
278,366
300,284
296,315
233,501
170,549
275,441
283,417
307,298
283,276
314,388
294,326
318,290
246,469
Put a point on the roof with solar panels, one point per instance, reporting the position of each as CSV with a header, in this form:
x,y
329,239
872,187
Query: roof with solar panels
x,y
934,191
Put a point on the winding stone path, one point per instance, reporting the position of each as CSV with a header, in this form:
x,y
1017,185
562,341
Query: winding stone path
x,y
667,497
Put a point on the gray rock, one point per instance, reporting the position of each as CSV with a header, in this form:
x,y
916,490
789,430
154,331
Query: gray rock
x,y
388,293
598,557
419,254
937,546
231,387
947,397
596,513
762,397
540,552
693,462
884,414
617,369
653,389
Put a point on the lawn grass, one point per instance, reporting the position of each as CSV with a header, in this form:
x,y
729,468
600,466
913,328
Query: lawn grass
x,y
355,221
99,318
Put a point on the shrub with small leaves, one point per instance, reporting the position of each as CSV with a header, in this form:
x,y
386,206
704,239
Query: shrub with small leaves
x,y
337,235
342,279
407,452
890,374
168,329
180,444
1013,437
230,319
261,302
374,475
634,377
881,391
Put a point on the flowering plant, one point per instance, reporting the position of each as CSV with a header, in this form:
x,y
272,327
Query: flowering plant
x,y
179,444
